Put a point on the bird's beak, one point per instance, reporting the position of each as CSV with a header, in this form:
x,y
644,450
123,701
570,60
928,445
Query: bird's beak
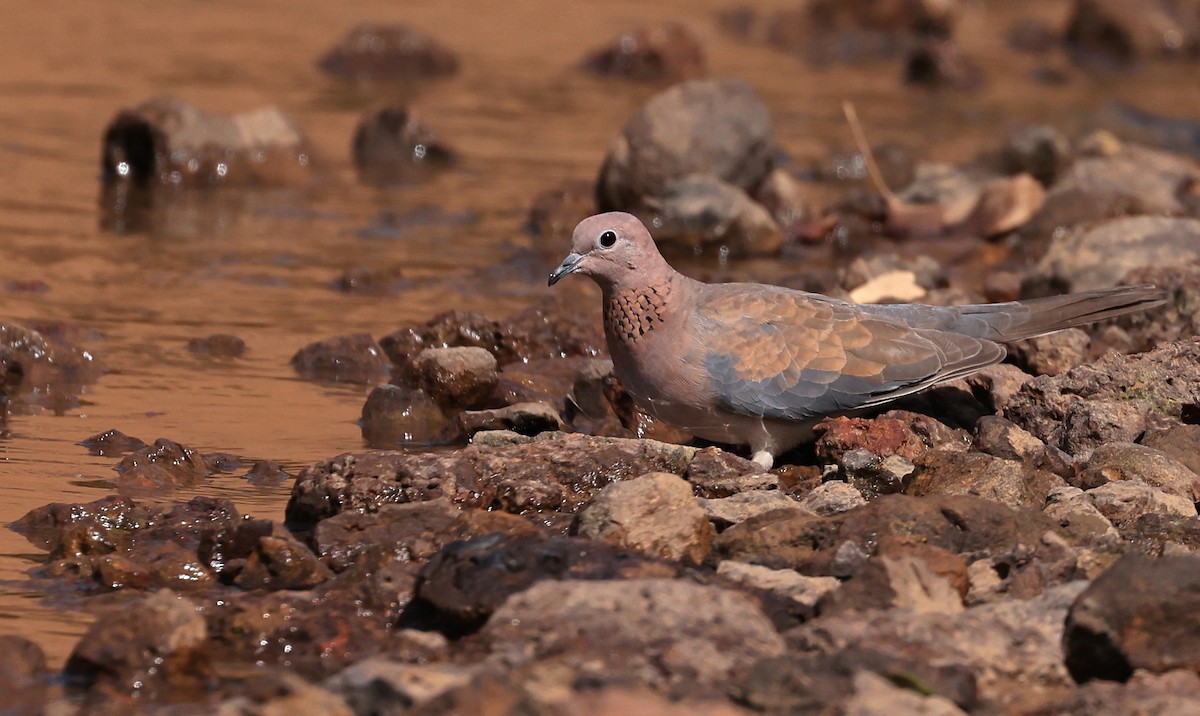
x,y
568,265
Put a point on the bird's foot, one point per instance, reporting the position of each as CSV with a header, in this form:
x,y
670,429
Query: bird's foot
x,y
764,458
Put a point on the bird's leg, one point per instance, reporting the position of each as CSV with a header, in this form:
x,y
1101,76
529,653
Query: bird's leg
x,y
764,458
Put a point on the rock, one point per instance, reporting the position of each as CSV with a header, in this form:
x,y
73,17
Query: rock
x,y
915,578
655,514
285,694
1013,483
1126,500
457,377
668,52
888,287
1175,134
926,273
1181,442
1001,438
266,473
1173,692
393,415
701,211
1177,318
963,524
896,432
1099,256
165,464
938,63
218,345
378,685
467,581
24,675
166,142
280,561
388,53
654,632
1140,614
1053,353
875,695
871,476
715,473
780,194
992,654
155,644
1128,461
995,385
392,144
726,511
712,127
413,532
618,701
538,332
554,213
41,368
1078,516
354,358
833,497
554,472
522,418
804,591
1038,149
111,443
1122,33
1110,400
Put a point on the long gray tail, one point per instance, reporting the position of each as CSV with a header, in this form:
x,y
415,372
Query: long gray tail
x,y
1015,320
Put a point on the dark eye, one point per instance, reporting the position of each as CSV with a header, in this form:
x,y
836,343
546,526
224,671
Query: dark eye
x,y
607,239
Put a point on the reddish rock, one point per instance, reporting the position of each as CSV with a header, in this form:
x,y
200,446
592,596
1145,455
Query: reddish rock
x,y
456,377
894,433
355,358
669,52
218,345
1013,483
392,143
393,415
165,464
389,53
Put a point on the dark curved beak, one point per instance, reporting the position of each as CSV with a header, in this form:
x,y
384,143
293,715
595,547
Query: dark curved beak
x,y
568,265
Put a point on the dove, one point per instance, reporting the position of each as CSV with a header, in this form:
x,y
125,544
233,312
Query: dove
x,y
759,365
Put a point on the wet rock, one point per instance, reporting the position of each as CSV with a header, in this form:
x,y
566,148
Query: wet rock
x,y
1122,32
218,345
354,358
781,195
655,514
992,654
389,53
1140,614
458,377
166,142
712,127
151,646
703,212
1082,258
1013,483
1038,149
395,415
871,476
280,561
553,472
1125,501
265,473
379,685
1127,461
1181,442
726,511
804,591
413,532
112,443
522,418
542,331
927,273
668,52
24,675
1077,515
833,497
467,581
963,524
1110,400
165,464
545,380
715,473
919,579
392,143
655,632
42,369
941,63
1053,353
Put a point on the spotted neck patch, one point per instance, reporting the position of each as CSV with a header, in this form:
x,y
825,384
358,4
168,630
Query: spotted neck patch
x,y
630,315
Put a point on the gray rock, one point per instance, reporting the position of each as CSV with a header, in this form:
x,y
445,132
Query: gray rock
x,y
995,385
1100,256
1124,501
655,632
703,212
787,583
655,514
834,496
726,511
875,695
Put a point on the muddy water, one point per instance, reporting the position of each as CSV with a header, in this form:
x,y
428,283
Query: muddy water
x,y
261,265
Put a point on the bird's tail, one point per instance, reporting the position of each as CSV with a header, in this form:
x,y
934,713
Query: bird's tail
x,y
1015,320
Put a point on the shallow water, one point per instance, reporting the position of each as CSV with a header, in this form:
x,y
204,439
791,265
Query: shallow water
x,y
260,265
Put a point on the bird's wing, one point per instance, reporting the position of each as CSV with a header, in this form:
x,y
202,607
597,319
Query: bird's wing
x,y
776,353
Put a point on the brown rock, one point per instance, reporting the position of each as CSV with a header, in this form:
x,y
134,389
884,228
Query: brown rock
x,y
24,675
458,377
394,415
1016,484
1078,516
833,497
804,591
389,53
1181,442
723,512
701,211
668,52
1053,353
1128,461
1039,149
522,418
655,514
655,632
920,578
1140,614
1100,255
218,345
995,385
165,464
354,358
1123,32
392,143
896,432
1127,500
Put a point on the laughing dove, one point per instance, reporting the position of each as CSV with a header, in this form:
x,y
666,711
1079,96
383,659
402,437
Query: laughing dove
x,y
754,364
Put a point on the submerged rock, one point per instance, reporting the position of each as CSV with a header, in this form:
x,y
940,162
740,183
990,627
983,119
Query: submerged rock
x,y
388,53
392,143
354,358
667,52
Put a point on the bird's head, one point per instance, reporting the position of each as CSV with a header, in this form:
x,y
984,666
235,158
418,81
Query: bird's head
x,y
612,248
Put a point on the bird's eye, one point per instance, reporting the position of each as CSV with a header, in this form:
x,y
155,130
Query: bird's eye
x,y
607,239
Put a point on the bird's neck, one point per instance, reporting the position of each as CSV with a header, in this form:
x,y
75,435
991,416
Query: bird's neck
x,y
633,313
